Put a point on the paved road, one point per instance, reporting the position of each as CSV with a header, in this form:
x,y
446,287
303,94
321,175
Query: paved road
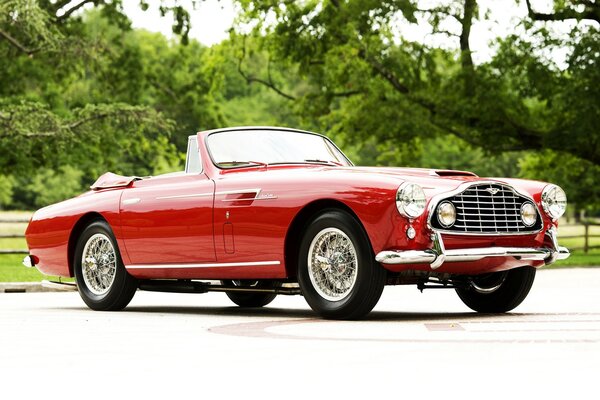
x,y
412,345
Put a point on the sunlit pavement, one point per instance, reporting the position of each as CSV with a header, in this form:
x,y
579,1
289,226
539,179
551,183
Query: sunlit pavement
x,y
411,345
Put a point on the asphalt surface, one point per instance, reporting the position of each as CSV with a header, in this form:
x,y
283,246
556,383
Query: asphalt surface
x,y
201,346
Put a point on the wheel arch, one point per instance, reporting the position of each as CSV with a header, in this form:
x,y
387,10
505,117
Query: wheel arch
x,y
78,228
298,225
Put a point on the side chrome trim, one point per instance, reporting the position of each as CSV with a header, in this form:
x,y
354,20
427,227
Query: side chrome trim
x,y
271,197
206,265
134,200
241,191
183,196
256,191
437,199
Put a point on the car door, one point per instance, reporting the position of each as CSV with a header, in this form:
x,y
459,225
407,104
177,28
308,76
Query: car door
x,y
170,222
169,219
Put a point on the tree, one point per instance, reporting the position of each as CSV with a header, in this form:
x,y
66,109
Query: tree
x,y
366,80
86,91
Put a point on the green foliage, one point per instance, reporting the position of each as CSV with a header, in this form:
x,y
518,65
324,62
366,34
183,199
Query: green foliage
x,y
6,190
121,100
82,88
399,102
50,186
577,177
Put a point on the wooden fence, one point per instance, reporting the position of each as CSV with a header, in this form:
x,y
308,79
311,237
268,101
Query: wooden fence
x,y
13,236
586,237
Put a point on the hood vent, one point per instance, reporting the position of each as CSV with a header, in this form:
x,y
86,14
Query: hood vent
x,y
449,172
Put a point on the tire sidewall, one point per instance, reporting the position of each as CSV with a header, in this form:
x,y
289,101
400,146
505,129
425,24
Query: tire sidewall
x,y
108,299
252,300
347,224
508,296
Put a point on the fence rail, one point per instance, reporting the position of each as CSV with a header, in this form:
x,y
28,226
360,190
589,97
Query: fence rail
x,y
586,237
14,220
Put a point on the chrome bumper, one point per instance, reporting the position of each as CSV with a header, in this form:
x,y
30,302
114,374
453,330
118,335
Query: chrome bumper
x,y
438,255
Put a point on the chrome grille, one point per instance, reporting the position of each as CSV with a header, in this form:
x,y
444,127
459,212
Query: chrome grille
x,y
488,209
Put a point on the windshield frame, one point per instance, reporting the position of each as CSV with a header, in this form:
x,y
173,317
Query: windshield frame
x,y
208,150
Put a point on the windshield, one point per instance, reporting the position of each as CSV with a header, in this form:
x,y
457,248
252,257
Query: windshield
x,y
257,147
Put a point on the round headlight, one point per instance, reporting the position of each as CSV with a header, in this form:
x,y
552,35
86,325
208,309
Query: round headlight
x,y
410,200
446,214
528,214
554,201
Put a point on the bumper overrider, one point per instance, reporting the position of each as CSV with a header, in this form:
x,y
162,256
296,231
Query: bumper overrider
x,y
438,255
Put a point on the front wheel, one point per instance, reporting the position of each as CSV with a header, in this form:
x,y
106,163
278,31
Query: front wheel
x,y
337,272
103,282
498,292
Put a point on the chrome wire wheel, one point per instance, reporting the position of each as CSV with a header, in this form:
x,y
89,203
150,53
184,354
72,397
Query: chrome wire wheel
x,y
99,264
332,264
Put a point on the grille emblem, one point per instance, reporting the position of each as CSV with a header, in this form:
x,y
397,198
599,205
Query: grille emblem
x,y
492,191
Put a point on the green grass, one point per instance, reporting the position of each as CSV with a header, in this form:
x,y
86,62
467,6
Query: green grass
x,y
11,267
13,243
580,259
12,270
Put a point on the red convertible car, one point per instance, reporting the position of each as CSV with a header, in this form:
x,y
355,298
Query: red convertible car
x,y
262,211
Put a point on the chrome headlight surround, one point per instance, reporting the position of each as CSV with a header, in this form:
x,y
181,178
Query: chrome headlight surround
x,y
554,201
446,214
528,214
410,200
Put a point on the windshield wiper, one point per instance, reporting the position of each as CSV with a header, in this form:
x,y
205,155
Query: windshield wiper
x,y
329,162
244,163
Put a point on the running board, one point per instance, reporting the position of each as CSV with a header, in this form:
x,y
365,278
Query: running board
x,y
175,286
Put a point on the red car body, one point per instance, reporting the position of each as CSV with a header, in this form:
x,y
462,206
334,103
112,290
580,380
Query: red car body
x,y
242,223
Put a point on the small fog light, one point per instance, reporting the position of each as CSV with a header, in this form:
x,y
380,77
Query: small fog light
x,y
528,214
411,233
446,214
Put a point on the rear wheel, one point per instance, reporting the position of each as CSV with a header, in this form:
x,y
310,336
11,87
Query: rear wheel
x,y
102,280
337,272
498,292
249,300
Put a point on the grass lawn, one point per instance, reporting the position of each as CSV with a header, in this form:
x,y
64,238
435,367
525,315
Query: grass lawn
x,y
11,267
12,270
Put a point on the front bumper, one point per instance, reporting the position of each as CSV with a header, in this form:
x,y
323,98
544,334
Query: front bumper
x,y
438,255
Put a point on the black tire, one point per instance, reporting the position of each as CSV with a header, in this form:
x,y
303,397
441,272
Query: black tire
x,y
361,296
251,300
512,290
118,293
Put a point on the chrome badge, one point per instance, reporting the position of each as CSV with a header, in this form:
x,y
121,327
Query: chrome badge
x,y
492,191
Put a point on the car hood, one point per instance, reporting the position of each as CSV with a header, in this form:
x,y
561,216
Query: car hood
x,y
433,181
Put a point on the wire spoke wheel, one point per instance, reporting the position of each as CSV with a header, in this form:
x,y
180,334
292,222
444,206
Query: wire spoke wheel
x,y
99,264
337,272
102,281
332,264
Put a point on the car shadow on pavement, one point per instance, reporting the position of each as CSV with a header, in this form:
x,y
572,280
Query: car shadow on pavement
x,y
271,312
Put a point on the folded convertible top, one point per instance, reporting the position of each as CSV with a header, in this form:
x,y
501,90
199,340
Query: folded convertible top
x,y
110,180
